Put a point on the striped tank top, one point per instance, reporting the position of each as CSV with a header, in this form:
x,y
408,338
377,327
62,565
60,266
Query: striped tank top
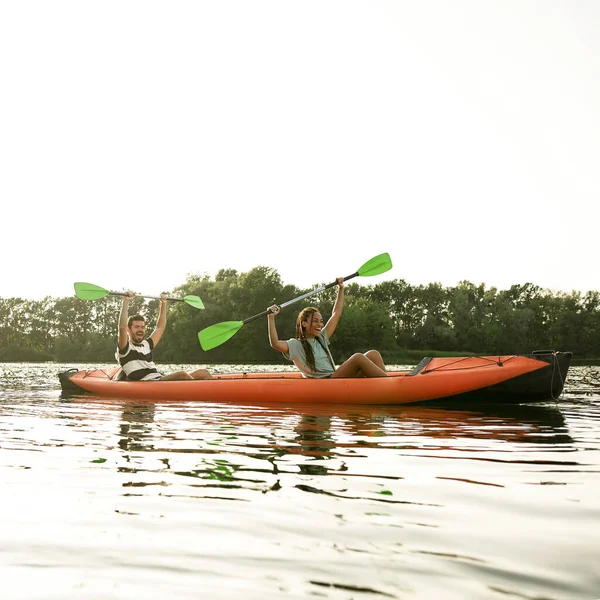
x,y
136,361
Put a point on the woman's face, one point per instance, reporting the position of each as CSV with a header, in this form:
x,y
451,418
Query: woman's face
x,y
313,325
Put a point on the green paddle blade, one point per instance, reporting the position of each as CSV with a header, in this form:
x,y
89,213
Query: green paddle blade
x,y
377,265
215,335
194,301
89,291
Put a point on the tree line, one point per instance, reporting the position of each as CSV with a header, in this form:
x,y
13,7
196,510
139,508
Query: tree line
x,y
403,321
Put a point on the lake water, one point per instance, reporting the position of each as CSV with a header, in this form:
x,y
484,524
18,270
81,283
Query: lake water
x,y
104,499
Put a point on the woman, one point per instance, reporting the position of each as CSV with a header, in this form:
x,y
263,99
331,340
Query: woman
x,y
309,350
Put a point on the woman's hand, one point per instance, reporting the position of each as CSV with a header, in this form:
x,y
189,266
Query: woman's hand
x,y
338,307
273,337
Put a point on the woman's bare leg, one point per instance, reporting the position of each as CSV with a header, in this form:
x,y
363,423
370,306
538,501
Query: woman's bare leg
x,y
177,376
359,365
184,375
201,374
374,356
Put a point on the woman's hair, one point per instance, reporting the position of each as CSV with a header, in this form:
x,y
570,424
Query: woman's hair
x,y
306,315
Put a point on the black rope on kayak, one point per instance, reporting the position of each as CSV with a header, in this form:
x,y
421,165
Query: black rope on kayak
x,y
458,360
484,358
89,372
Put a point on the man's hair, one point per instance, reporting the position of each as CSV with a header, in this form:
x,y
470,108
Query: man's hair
x,y
135,318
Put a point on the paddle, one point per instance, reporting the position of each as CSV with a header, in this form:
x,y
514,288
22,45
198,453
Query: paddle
x,y
89,291
215,335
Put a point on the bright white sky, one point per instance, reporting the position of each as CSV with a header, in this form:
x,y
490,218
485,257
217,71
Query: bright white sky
x,y
141,141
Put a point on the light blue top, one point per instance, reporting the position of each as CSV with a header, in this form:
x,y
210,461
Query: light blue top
x,y
297,355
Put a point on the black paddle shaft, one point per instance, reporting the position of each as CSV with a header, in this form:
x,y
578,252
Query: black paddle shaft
x,y
307,295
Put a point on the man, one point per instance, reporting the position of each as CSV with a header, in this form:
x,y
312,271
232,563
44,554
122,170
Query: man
x,y
134,353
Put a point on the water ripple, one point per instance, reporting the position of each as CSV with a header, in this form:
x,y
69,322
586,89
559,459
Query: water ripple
x,y
114,499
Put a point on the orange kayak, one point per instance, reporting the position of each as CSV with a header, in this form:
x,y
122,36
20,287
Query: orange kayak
x,y
512,378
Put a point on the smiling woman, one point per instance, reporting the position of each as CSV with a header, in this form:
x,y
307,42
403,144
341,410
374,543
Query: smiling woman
x,y
309,350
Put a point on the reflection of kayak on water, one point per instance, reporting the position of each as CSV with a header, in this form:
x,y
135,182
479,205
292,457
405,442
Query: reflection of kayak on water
x,y
513,378
524,423
417,427
319,430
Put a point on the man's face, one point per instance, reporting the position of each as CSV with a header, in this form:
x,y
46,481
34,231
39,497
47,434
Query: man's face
x,y
137,331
